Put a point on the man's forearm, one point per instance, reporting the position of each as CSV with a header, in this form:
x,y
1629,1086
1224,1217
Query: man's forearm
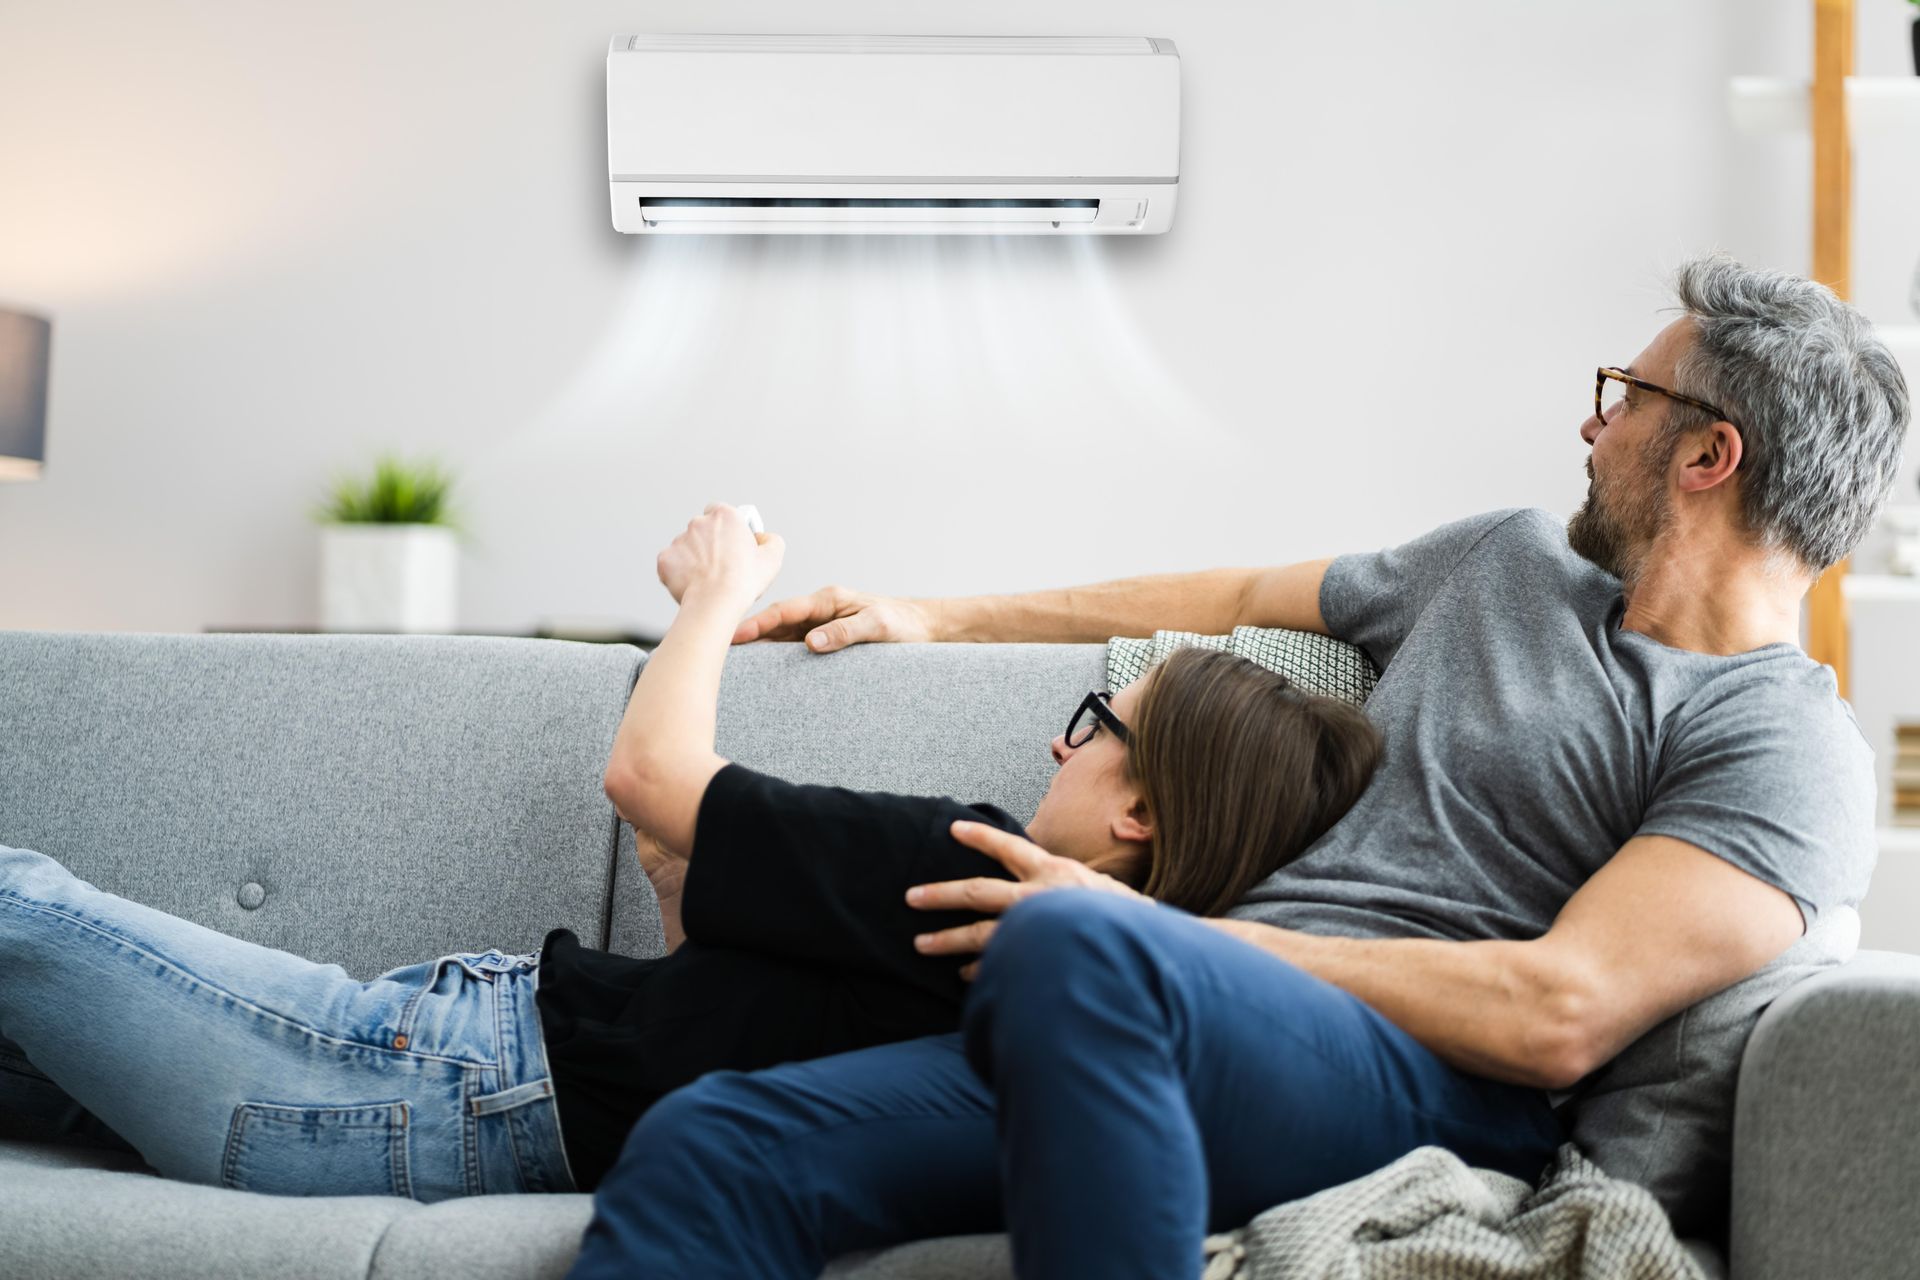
x,y
1210,602
1496,1009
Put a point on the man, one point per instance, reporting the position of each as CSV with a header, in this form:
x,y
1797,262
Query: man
x,y
1614,786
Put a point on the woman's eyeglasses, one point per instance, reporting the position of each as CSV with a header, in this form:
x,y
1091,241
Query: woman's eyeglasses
x,y
1095,711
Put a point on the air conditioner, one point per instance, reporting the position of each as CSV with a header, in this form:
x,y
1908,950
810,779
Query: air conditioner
x,y
893,134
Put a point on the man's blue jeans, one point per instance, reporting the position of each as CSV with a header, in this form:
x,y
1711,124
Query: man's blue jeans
x,y
228,1063
1128,1079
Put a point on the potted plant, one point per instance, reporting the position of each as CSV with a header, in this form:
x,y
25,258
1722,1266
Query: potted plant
x,y
1916,36
388,551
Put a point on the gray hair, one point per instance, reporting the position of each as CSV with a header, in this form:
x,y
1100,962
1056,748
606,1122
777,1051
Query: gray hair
x,y
1819,400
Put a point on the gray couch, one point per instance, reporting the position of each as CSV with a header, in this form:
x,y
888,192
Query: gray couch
x,y
375,801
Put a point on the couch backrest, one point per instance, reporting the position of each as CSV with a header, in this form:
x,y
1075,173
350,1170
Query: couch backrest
x,y
969,721
370,801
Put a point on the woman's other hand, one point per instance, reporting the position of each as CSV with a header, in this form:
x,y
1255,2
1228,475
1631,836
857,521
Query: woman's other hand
x,y
834,617
1035,871
719,551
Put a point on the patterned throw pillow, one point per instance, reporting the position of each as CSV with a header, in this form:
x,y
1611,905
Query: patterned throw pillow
x,y
1317,663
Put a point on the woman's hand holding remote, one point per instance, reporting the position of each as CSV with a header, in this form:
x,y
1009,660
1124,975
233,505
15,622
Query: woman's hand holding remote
x,y
720,553
663,754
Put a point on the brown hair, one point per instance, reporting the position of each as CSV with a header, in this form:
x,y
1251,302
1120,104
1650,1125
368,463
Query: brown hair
x,y
1240,771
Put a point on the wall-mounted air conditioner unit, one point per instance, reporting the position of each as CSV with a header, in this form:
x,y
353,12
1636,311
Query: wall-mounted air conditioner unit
x,y
893,134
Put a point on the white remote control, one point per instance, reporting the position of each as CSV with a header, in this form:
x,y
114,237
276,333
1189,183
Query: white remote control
x,y
752,515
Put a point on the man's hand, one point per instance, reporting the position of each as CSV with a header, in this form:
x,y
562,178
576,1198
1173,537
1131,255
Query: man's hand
x,y
834,617
1036,870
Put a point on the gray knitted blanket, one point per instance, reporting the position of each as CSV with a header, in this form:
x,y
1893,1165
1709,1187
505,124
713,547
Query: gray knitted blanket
x,y
1427,1216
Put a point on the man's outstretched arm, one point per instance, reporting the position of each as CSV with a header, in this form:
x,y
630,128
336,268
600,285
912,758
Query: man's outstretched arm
x,y
1661,926
1212,602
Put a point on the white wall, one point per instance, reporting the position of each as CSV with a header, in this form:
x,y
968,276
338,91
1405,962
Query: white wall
x,y
277,239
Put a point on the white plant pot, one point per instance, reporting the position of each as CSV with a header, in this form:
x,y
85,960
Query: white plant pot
x,y
387,577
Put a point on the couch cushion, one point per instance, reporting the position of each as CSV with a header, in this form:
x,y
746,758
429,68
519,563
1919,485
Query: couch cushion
x,y
948,1258
969,721
371,801
487,1238
82,1214
64,1218
1827,1128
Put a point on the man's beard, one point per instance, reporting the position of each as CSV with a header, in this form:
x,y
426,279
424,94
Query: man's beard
x,y
1617,524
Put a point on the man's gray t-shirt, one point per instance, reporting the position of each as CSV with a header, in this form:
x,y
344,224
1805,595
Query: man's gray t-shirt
x,y
1529,737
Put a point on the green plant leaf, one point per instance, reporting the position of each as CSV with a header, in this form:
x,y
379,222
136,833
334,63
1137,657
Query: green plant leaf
x,y
398,492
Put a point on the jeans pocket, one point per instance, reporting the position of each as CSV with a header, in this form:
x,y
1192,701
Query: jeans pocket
x,y
517,1141
318,1151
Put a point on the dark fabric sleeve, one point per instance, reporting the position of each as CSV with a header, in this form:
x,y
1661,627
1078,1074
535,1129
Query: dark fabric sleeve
x,y
1776,779
1373,599
820,874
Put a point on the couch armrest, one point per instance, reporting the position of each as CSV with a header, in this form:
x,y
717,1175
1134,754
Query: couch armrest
x,y
1826,1130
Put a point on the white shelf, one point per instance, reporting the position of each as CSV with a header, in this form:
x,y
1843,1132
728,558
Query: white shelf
x,y
1889,920
1881,588
1903,339
1875,104
1903,841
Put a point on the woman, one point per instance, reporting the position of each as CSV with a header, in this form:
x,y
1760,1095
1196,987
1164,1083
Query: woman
x,y
227,1063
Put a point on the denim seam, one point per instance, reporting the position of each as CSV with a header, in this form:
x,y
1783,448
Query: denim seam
x,y
513,1141
470,1133
400,1154
503,1052
546,1073
502,1079
508,1077
233,1145
202,983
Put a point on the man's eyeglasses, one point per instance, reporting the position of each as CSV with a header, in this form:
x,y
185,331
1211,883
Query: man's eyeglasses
x,y
1610,392
1095,712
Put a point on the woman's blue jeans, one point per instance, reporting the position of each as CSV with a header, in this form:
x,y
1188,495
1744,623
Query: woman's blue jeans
x,y
1128,1079
235,1065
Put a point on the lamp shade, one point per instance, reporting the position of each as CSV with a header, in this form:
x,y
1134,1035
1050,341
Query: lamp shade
x,y
25,344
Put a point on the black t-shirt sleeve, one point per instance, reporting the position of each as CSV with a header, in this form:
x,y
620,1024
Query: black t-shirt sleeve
x,y
820,874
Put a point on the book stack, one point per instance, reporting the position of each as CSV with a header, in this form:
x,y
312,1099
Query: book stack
x,y
1906,774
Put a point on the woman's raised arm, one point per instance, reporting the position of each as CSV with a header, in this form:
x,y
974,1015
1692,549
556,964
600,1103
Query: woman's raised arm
x,y
663,756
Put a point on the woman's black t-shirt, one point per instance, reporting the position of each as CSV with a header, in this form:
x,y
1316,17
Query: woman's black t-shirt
x,y
799,944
